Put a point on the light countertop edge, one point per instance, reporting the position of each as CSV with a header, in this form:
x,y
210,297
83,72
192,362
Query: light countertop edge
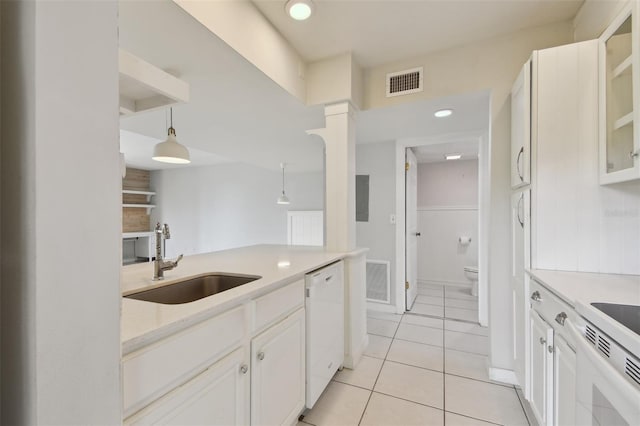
x,y
143,323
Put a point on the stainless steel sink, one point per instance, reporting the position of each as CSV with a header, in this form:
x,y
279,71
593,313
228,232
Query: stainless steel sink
x,y
193,288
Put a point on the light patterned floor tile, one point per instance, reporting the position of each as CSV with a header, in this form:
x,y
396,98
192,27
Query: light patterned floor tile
x,y
430,300
387,316
412,383
364,375
384,410
424,309
466,342
416,354
461,303
419,334
459,293
486,401
465,327
430,291
340,404
461,314
381,327
423,321
451,419
378,346
466,364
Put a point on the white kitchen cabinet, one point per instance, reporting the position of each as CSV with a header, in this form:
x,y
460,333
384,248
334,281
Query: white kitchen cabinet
x,y
278,372
541,368
521,128
564,383
620,97
218,396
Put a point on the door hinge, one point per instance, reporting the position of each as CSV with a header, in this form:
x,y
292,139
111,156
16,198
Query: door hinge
x,y
406,285
407,166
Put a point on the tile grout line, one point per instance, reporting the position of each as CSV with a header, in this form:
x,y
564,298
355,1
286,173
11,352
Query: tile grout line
x,y
524,410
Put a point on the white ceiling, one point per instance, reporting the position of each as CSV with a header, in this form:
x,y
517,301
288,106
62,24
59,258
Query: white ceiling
x,y
385,31
238,114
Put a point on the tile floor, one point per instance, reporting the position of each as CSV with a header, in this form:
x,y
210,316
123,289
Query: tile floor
x,y
447,302
419,370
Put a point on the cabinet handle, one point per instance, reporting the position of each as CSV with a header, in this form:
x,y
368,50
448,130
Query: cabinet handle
x,y
550,349
542,341
633,155
329,278
518,163
260,356
520,200
244,368
561,317
535,296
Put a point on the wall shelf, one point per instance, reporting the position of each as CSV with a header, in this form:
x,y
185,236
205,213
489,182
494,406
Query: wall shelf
x,y
145,87
140,206
623,121
149,194
137,234
623,68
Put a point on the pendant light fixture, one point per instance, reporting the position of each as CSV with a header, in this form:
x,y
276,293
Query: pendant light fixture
x,y
170,151
283,199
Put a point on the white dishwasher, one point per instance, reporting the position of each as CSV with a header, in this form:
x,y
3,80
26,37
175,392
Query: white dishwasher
x,y
325,327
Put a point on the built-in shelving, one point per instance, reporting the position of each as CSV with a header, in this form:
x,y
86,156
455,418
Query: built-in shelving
x,y
149,194
140,206
623,121
622,69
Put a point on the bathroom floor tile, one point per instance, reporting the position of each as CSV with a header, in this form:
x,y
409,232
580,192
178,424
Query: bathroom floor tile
x,y
461,303
465,327
419,334
461,314
387,316
472,366
459,293
339,404
424,309
466,342
485,401
364,375
378,346
416,354
412,383
430,300
381,327
414,319
384,410
452,419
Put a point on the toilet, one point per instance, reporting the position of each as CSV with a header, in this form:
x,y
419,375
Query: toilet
x,y
471,272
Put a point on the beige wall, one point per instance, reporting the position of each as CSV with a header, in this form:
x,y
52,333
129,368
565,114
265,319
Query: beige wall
x,y
594,16
489,64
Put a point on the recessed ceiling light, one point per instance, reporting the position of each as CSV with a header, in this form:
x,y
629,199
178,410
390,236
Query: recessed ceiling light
x,y
443,113
453,156
299,9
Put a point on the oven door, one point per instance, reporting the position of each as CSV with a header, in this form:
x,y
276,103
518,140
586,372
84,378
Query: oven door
x,y
603,394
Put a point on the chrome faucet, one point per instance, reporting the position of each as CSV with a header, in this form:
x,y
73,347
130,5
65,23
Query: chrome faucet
x,y
160,265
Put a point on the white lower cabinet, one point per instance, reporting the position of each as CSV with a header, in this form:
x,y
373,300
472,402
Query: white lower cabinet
x,y
541,367
278,372
217,396
564,383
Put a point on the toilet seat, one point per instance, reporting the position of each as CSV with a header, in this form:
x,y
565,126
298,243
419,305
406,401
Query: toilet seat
x,y
472,269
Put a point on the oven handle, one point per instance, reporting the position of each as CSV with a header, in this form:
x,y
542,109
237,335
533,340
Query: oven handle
x,y
597,361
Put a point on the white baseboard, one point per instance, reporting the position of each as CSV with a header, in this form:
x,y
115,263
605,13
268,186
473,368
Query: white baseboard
x,y
446,283
381,307
504,376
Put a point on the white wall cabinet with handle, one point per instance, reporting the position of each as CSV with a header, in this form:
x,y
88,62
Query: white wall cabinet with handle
x,y
521,128
541,335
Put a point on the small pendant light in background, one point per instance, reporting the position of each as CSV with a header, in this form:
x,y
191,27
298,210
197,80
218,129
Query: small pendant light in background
x,y
283,199
170,151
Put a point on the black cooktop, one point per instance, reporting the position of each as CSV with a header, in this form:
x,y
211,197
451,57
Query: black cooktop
x,y
627,315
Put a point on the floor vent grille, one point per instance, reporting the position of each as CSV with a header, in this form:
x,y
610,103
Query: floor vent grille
x,y
404,82
378,281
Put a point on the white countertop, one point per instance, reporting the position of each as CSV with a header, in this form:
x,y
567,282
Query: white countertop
x,y
580,289
143,322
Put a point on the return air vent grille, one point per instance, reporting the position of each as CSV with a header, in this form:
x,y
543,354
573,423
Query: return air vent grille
x,y
633,370
378,281
404,82
590,334
603,345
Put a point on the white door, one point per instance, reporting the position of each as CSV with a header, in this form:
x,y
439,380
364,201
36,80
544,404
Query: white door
x,y
564,383
519,261
541,387
278,372
412,234
218,396
521,127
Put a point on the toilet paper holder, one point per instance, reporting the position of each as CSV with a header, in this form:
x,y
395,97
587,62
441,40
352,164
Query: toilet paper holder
x,y
464,240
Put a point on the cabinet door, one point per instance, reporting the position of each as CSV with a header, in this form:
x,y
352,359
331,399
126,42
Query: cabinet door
x,y
564,383
541,369
278,372
218,396
521,128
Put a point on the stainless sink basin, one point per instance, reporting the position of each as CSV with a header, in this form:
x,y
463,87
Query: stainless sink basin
x,y
193,288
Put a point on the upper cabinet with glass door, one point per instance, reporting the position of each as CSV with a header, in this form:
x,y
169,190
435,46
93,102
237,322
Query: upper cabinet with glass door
x,y
620,98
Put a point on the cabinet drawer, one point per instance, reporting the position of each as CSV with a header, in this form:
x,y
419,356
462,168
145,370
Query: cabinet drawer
x,y
277,304
549,307
152,371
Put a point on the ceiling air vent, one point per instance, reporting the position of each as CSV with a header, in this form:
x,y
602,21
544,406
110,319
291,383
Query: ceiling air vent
x,y
404,82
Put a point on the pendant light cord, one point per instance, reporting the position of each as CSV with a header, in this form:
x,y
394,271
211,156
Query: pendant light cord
x,y
282,180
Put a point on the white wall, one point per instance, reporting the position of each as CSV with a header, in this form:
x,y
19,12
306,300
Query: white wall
x,y
447,210
487,64
594,16
229,205
60,194
378,234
